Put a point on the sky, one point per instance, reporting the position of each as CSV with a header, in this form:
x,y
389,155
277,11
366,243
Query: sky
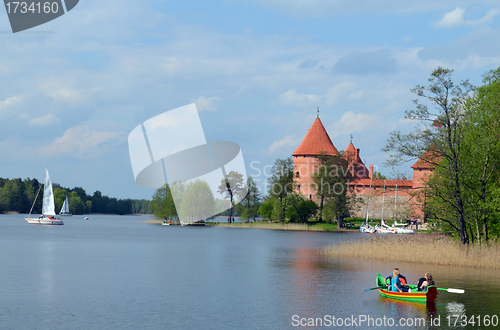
x,y
73,89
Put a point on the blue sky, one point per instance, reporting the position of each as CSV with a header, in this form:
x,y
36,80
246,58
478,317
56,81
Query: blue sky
x,y
73,89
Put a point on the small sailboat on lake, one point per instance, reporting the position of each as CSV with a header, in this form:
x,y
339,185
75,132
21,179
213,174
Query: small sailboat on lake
x,y
48,209
65,208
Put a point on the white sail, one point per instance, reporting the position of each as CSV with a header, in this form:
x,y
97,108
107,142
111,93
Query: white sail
x,y
48,196
65,207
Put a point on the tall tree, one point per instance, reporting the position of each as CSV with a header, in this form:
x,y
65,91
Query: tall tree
x,y
250,204
281,184
231,187
440,131
331,180
163,203
197,203
481,152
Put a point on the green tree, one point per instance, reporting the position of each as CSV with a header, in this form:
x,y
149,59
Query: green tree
x,y
441,133
232,187
163,203
332,180
89,206
379,175
197,202
76,205
281,184
249,205
59,198
266,208
480,156
300,209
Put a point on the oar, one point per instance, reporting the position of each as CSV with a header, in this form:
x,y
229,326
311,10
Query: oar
x,y
378,287
452,290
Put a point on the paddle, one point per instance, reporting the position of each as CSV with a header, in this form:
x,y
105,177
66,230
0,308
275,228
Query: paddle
x,y
452,290
378,287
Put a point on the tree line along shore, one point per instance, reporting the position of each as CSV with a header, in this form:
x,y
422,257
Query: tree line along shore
x,y
457,133
17,196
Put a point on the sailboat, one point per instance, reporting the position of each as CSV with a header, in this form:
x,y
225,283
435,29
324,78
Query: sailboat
x,y
65,208
48,214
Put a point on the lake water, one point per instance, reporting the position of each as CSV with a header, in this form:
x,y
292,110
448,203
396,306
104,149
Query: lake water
x,y
116,272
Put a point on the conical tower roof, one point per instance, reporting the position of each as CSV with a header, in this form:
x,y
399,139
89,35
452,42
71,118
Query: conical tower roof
x,y
316,142
351,153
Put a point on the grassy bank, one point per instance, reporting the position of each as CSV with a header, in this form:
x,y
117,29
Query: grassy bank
x,y
420,249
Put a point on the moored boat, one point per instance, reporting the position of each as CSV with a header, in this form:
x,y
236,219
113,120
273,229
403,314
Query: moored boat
x,y
428,295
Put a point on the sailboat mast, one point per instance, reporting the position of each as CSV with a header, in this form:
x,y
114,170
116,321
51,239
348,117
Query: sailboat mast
x,y
368,202
383,198
34,201
395,202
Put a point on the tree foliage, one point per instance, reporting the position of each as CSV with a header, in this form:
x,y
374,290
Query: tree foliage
x,y
331,180
459,138
249,205
17,195
281,184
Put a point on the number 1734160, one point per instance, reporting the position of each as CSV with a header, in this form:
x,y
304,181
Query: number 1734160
x,y
464,320
15,7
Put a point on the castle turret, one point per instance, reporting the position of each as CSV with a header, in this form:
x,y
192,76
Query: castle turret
x,y
306,155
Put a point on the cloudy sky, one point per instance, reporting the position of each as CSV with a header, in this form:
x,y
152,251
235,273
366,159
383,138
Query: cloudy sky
x,y
74,88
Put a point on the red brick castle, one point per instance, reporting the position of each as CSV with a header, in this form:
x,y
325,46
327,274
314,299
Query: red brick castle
x,y
398,197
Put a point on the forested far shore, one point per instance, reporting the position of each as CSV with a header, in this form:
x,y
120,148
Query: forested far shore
x,y
17,195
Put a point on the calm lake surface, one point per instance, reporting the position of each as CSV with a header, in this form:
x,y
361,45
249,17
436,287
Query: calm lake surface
x,y
116,272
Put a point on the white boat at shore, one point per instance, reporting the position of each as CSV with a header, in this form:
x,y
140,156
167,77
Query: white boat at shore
x,y
48,213
397,230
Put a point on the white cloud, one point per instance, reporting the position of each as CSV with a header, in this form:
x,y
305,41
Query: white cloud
x,y
10,101
286,141
339,91
453,18
456,18
205,103
80,141
351,122
291,97
45,120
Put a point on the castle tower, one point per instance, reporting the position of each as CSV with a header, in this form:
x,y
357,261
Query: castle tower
x,y
356,165
305,157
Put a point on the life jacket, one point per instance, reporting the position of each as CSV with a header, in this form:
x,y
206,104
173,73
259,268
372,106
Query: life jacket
x,y
402,279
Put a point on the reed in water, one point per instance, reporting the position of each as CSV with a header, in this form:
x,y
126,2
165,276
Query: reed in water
x,y
419,249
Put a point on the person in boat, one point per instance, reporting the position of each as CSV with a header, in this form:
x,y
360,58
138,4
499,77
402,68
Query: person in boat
x,y
395,282
424,282
401,278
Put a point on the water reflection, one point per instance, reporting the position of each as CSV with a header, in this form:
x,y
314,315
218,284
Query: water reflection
x,y
47,275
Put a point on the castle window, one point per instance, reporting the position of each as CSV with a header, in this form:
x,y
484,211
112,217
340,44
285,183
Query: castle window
x,y
298,187
310,196
297,174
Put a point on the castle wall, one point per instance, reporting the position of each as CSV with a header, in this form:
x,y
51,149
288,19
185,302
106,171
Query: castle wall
x,y
383,207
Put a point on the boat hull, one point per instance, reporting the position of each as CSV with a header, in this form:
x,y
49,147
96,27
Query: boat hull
x,y
418,296
44,221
